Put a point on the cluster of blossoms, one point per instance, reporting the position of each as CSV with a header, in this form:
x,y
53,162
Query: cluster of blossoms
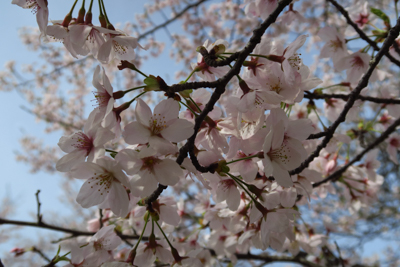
x,y
253,142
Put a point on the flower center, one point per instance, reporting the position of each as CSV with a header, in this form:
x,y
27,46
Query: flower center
x,y
82,141
157,124
336,44
280,154
149,163
295,61
103,181
118,48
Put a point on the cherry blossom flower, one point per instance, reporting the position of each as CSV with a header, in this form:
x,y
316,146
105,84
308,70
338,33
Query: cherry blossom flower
x,y
100,244
90,36
104,185
224,188
150,169
280,156
40,8
104,96
117,45
356,65
335,46
89,143
160,128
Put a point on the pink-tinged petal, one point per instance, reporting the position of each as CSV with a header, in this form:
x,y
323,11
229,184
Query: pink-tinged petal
x,y
287,155
268,143
288,197
164,255
91,194
129,160
268,167
79,33
169,215
143,112
145,185
96,79
136,133
248,170
300,129
69,143
278,135
96,153
57,31
179,130
86,170
118,200
168,108
296,153
162,146
145,259
276,222
168,172
67,162
106,83
289,73
109,116
247,102
102,136
42,17
147,152
293,47
128,41
233,198
281,176
271,200
104,52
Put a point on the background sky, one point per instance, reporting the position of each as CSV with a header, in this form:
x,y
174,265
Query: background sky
x,y
16,180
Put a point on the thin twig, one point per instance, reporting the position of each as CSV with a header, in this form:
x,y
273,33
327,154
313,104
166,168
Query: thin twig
x,y
38,215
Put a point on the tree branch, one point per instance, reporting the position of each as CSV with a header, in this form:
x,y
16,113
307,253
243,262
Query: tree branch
x,y
336,175
393,33
74,233
377,100
362,34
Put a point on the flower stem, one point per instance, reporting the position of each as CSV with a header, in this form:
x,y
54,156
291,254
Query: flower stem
x,y
166,238
195,103
245,158
189,108
134,88
239,182
141,235
190,75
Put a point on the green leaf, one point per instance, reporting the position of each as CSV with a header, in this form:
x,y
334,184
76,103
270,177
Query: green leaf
x,y
381,15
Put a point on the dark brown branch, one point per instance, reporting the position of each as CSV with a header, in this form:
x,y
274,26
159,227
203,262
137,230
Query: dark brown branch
x,y
393,33
377,100
270,259
219,85
336,175
362,34
61,229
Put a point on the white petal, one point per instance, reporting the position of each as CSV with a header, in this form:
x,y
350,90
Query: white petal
x,y
168,172
179,130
